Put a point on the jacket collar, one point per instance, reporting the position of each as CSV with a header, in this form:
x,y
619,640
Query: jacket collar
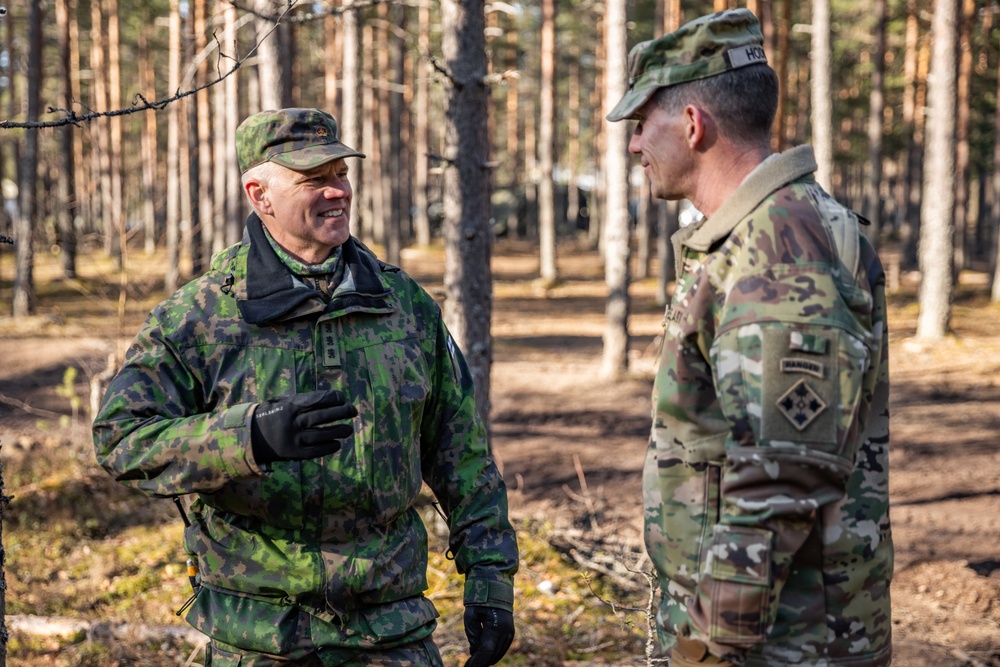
x,y
775,172
271,293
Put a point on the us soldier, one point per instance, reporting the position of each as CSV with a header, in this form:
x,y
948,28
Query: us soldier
x,y
300,392
766,479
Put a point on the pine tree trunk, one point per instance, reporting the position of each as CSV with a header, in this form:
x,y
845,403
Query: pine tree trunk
x,y
372,215
904,220
236,204
937,211
596,203
573,141
962,122
616,227
876,111
100,143
149,149
206,219
822,96
24,277
421,102
546,146
350,99
468,282
268,57
68,208
115,134
173,204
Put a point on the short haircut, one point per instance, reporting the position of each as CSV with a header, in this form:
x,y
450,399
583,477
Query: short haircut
x,y
262,173
742,101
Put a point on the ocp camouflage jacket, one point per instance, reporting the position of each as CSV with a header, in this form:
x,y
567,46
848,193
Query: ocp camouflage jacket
x,y
766,479
336,537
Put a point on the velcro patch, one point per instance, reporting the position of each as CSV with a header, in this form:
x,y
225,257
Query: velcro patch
x,y
807,366
745,55
800,405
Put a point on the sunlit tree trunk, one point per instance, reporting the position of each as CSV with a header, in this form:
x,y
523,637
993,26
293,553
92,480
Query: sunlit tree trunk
x,y
876,111
68,207
573,140
206,220
115,133
421,101
616,227
272,83
81,171
372,215
546,146
219,163
596,203
99,137
911,240
514,156
173,206
822,96
643,231
235,201
399,131
937,211
149,149
24,277
350,99
468,283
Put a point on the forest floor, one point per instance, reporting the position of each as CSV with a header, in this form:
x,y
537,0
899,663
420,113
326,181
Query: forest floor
x,y
85,557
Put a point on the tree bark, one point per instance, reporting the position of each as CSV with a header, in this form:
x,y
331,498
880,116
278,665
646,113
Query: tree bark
x,y
937,211
24,278
468,282
962,126
173,150
421,101
616,227
995,215
100,149
349,128
822,97
272,83
115,134
546,147
876,112
147,81
206,220
68,209
236,203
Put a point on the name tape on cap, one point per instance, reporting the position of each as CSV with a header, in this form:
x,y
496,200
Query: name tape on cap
x,y
746,55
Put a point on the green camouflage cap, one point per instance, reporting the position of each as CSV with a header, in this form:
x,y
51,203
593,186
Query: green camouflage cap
x,y
701,48
299,139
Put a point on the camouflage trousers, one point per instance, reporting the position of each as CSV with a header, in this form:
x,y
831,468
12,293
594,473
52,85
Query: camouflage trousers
x,y
422,653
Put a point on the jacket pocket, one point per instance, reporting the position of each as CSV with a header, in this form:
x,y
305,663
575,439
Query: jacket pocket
x,y
734,592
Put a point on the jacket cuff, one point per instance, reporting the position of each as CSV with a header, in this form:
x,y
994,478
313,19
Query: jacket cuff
x,y
238,458
489,593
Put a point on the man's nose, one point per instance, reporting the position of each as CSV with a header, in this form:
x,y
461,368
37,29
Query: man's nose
x,y
633,144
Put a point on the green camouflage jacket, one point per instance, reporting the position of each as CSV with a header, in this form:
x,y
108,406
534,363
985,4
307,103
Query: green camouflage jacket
x,y
338,537
766,480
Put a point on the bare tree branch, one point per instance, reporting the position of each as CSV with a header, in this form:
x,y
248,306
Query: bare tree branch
x,y
139,102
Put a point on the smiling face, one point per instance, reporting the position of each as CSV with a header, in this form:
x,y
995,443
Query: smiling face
x,y
307,212
660,138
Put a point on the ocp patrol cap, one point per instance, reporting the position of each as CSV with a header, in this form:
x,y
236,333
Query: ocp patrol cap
x,y
701,48
299,139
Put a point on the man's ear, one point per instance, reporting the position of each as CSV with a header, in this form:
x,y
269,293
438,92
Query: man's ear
x,y
257,196
700,129
694,126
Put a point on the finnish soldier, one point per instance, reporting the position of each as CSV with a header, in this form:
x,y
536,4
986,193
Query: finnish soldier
x,y
766,481
299,394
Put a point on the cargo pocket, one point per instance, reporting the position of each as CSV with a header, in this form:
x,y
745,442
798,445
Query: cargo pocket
x,y
734,593
220,657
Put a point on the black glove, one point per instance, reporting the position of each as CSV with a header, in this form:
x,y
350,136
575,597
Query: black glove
x,y
300,427
490,632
